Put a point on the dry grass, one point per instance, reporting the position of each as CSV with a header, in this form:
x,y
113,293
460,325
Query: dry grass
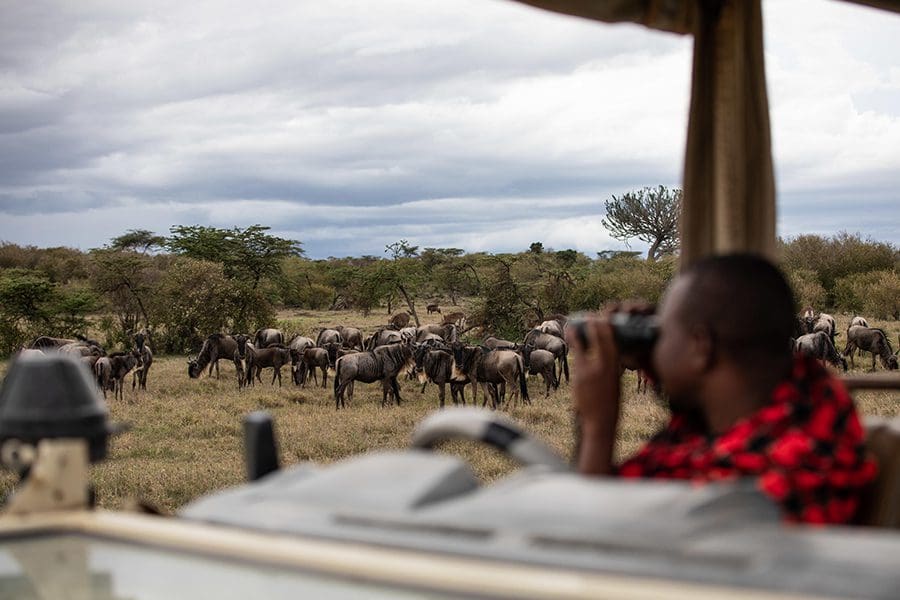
x,y
185,439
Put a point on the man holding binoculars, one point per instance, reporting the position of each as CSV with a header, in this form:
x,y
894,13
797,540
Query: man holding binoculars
x,y
742,405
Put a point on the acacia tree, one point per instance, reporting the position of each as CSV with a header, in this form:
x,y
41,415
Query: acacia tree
x,y
248,257
648,214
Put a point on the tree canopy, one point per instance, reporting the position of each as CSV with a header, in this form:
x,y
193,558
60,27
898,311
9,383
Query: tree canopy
x,y
650,215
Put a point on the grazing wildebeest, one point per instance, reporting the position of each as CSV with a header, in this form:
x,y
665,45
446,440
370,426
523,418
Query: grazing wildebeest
x,y
433,308
268,336
495,343
271,356
383,364
555,345
543,363
436,365
216,347
111,371
353,337
818,345
826,324
871,340
383,337
308,361
140,375
399,320
497,367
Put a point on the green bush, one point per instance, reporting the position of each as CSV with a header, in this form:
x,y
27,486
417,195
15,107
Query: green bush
x,y
873,294
808,290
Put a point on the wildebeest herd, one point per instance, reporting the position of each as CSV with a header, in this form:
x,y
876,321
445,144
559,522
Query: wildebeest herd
x,y
431,353
817,335
110,370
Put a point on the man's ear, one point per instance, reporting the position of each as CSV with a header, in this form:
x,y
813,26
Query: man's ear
x,y
701,354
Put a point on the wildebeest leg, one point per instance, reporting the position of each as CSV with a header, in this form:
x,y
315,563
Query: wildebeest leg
x,y
276,374
395,387
484,392
324,376
423,388
441,391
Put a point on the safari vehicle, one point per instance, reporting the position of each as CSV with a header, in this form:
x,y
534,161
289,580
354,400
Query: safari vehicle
x,y
417,523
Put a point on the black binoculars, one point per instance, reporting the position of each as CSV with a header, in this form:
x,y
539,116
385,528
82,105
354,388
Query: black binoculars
x,y
634,334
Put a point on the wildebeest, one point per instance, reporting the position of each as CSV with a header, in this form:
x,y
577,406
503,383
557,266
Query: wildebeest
x,y
447,332
297,345
408,334
307,362
111,371
353,337
543,363
243,359
329,336
273,357
857,320
436,365
383,364
216,347
140,375
494,343
267,337
45,341
557,346
818,345
399,320
826,324
871,340
79,349
433,308
382,337
497,367
552,327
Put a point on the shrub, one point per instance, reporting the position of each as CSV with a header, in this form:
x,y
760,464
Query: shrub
x,y
874,294
808,291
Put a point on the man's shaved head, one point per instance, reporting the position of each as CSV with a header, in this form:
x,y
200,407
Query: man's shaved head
x,y
746,304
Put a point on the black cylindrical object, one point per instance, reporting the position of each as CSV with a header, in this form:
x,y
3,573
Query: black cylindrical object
x,y
53,396
634,334
260,450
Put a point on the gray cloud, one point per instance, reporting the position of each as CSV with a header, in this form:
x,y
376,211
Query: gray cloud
x,y
348,125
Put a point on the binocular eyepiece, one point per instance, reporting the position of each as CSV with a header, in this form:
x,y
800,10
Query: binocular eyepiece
x,y
634,334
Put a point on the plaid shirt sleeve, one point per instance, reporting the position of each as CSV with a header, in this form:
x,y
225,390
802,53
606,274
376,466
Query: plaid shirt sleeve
x,y
805,448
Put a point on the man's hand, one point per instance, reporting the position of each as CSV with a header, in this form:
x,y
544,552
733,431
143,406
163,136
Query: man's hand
x,y
596,392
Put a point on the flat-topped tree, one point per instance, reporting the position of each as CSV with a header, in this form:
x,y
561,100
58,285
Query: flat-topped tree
x,y
648,214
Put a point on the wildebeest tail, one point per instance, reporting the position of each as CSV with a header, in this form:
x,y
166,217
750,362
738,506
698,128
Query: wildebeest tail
x,y
565,363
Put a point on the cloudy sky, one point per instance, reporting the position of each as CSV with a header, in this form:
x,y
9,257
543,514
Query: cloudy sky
x,y
350,124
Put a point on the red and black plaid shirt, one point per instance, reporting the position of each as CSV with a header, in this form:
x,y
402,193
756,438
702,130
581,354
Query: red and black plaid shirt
x,y
805,447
